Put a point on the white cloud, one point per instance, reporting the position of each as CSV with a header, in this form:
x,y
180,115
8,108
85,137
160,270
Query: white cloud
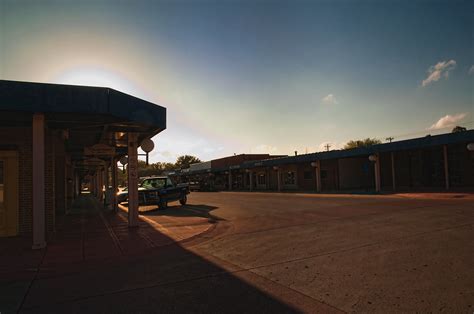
x,y
264,149
329,100
471,70
447,121
437,71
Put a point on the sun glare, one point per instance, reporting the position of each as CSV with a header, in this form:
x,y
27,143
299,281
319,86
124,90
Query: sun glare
x,y
94,76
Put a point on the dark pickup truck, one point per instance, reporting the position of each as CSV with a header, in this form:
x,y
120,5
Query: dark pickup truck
x,y
158,191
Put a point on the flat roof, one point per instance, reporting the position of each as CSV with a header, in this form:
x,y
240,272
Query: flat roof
x,y
83,100
422,142
416,143
90,115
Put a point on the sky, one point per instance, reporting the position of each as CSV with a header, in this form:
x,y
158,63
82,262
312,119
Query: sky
x,y
258,76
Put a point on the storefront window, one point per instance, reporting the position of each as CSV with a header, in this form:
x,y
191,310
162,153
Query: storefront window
x,y
289,178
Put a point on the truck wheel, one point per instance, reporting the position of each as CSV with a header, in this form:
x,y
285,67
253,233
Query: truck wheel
x,y
163,205
183,200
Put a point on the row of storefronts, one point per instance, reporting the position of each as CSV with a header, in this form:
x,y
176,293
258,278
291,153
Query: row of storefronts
x,y
437,162
53,137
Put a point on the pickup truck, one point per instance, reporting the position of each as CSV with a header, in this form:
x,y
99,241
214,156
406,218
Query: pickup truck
x,y
157,191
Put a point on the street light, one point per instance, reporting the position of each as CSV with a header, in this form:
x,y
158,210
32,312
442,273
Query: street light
x,y
123,161
147,146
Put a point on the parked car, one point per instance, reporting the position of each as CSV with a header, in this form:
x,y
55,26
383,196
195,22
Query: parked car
x,y
194,186
157,191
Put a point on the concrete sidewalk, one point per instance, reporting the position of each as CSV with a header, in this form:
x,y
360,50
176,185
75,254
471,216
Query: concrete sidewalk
x,y
95,263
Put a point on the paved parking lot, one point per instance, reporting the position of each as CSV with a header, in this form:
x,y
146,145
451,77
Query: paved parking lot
x,y
357,253
239,252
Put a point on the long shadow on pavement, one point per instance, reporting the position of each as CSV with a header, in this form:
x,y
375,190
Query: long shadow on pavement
x,y
114,269
201,210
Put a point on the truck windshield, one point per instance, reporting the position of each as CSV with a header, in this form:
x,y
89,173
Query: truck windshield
x,y
154,183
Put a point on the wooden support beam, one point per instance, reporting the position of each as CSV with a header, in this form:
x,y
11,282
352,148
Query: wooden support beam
x,y
318,175
446,167
132,180
377,174
279,179
113,166
39,215
250,181
392,156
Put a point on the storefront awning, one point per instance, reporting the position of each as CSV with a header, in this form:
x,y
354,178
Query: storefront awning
x,y
87,115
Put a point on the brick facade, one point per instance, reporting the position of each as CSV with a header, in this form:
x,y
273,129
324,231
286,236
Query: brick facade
x,y
20,139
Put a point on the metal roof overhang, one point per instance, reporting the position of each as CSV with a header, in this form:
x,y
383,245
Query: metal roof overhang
x,y
416,143
91,115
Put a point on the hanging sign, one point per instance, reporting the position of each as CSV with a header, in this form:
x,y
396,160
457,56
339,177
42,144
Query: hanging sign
x,y
99,150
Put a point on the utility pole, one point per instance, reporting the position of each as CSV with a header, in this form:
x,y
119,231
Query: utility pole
x,y
390,138
327,147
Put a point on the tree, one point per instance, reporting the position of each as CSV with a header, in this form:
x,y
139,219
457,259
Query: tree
x,y
458,128
362,143
156,168
184,161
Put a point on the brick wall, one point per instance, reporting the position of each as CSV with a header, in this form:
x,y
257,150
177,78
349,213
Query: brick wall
x,y
236,160
20,139
329,175
306,177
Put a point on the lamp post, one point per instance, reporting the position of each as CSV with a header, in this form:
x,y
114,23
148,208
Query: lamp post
x,y
317,167
123,161
375,158
147,146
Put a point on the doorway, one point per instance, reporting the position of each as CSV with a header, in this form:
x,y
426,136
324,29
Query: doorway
x,y
8,193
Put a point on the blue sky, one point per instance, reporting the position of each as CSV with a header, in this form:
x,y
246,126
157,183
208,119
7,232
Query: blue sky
x,y
266,76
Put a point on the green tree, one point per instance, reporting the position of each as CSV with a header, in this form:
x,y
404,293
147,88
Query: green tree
x,y
458,128
362,143
184,161
153,169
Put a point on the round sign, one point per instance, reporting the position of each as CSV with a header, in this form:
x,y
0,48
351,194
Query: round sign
x,y
124,160
147,145
470,147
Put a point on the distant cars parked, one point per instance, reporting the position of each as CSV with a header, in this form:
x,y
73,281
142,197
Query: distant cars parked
x,y
158,191
194,186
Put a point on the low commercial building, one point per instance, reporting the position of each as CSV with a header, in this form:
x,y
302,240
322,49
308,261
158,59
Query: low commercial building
x,y
439,162
221,174
52,137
